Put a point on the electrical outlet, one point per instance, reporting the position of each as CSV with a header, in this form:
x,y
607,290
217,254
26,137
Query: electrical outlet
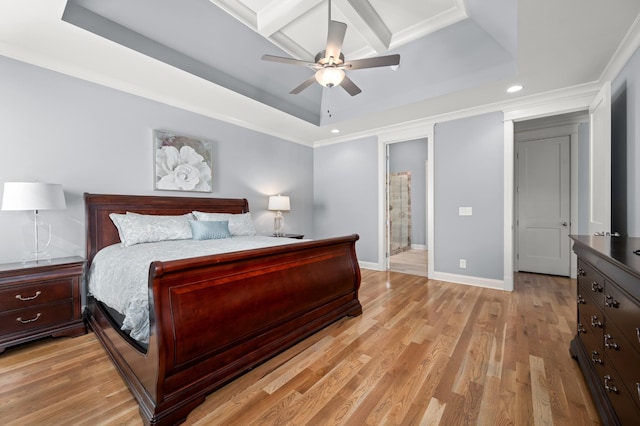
x,y
465,211
463,263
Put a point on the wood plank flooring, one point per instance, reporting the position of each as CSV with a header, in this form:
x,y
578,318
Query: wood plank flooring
x,y
424,352
412,262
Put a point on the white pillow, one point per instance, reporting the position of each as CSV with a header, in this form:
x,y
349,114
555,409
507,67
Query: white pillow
x,y
134,228
239,224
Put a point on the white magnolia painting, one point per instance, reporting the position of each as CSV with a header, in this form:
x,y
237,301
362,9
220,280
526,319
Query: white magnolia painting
x,y
181,163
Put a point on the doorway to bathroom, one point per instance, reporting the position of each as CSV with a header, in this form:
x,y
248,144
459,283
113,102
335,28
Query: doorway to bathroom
x,y
407,206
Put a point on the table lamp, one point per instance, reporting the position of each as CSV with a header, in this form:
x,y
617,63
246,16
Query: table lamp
x,y
34,196
279,203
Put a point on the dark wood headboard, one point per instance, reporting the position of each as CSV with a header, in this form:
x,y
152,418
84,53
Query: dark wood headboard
x,y
101,231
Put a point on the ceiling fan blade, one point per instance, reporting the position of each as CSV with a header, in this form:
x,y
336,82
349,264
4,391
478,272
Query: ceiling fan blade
x,y
303,85
350,86
378,61
290,61
335,38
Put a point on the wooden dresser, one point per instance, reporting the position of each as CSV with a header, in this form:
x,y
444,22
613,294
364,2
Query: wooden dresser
x,y
38,300
607,342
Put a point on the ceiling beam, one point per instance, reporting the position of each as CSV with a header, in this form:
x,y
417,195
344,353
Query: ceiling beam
x,y
278,14
363,16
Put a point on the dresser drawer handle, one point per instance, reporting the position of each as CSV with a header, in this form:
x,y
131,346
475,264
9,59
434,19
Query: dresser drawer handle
x,y
595,287
24,299
581,272
581,300
609,343
19,319
581,329
610,301
611,388
638,388
595,359
595,322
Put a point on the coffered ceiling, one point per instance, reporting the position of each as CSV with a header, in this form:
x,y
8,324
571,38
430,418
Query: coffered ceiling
x,y
375,26
205,55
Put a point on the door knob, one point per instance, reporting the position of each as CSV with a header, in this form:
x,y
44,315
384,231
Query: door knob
x,y
565,223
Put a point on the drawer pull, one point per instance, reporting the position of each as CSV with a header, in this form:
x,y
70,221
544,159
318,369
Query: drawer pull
x,y
581,329
19,319
581,272
610,301
595,322
594,358
581,300
609,343
638,388
24,299
638,334
611,388
595,287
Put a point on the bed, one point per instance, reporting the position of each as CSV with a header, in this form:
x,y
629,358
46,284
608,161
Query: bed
x,y
213,317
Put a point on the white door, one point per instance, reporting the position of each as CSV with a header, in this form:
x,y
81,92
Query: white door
x,y
544,203
600,163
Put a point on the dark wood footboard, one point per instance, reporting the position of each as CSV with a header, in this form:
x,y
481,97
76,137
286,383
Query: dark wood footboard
x,y
213,318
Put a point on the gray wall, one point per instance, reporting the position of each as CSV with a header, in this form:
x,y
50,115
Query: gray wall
x,y
469,172
410,156
90,138
627,84
345,178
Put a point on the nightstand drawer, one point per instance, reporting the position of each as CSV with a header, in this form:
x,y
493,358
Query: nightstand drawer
x,y
40,316
40,299
26,296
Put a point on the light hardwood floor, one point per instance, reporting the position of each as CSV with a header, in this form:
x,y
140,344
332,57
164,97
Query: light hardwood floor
x,y
423,353
412,262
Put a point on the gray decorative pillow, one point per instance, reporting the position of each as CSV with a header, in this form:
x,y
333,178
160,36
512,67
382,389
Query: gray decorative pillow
x,y
210,230
239,224
136,228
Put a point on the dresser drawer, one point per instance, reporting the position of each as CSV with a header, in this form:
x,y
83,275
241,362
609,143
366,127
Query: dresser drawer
x,y
624,312
590,282
625,359
591,335
29,295
20,320
623,402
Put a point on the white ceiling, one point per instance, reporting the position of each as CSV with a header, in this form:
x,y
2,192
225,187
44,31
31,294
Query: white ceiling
x,y
456,55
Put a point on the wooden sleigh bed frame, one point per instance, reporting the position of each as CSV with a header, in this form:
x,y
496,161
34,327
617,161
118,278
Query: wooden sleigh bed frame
x,y
212,318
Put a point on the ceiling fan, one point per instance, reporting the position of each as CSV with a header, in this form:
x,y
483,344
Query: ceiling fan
x,y
330,65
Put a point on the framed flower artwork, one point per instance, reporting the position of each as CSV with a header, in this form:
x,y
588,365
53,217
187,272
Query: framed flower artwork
x,y
181,163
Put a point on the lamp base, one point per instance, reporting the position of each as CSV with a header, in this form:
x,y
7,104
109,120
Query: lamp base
x,y
278,225
37,237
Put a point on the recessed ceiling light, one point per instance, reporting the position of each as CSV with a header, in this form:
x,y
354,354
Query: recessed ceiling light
x,y
335,131
515,88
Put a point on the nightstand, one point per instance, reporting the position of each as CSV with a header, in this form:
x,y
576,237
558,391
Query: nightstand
x,y
296,236
40,299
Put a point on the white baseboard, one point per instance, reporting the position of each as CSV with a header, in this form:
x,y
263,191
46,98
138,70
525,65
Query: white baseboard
x,y
419,247
371,265
465,279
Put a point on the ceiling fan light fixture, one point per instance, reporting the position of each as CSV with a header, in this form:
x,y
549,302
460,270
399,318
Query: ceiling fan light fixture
x,y
330,76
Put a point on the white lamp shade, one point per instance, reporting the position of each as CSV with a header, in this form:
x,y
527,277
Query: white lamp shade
x,y
329,76
32,196
279,203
